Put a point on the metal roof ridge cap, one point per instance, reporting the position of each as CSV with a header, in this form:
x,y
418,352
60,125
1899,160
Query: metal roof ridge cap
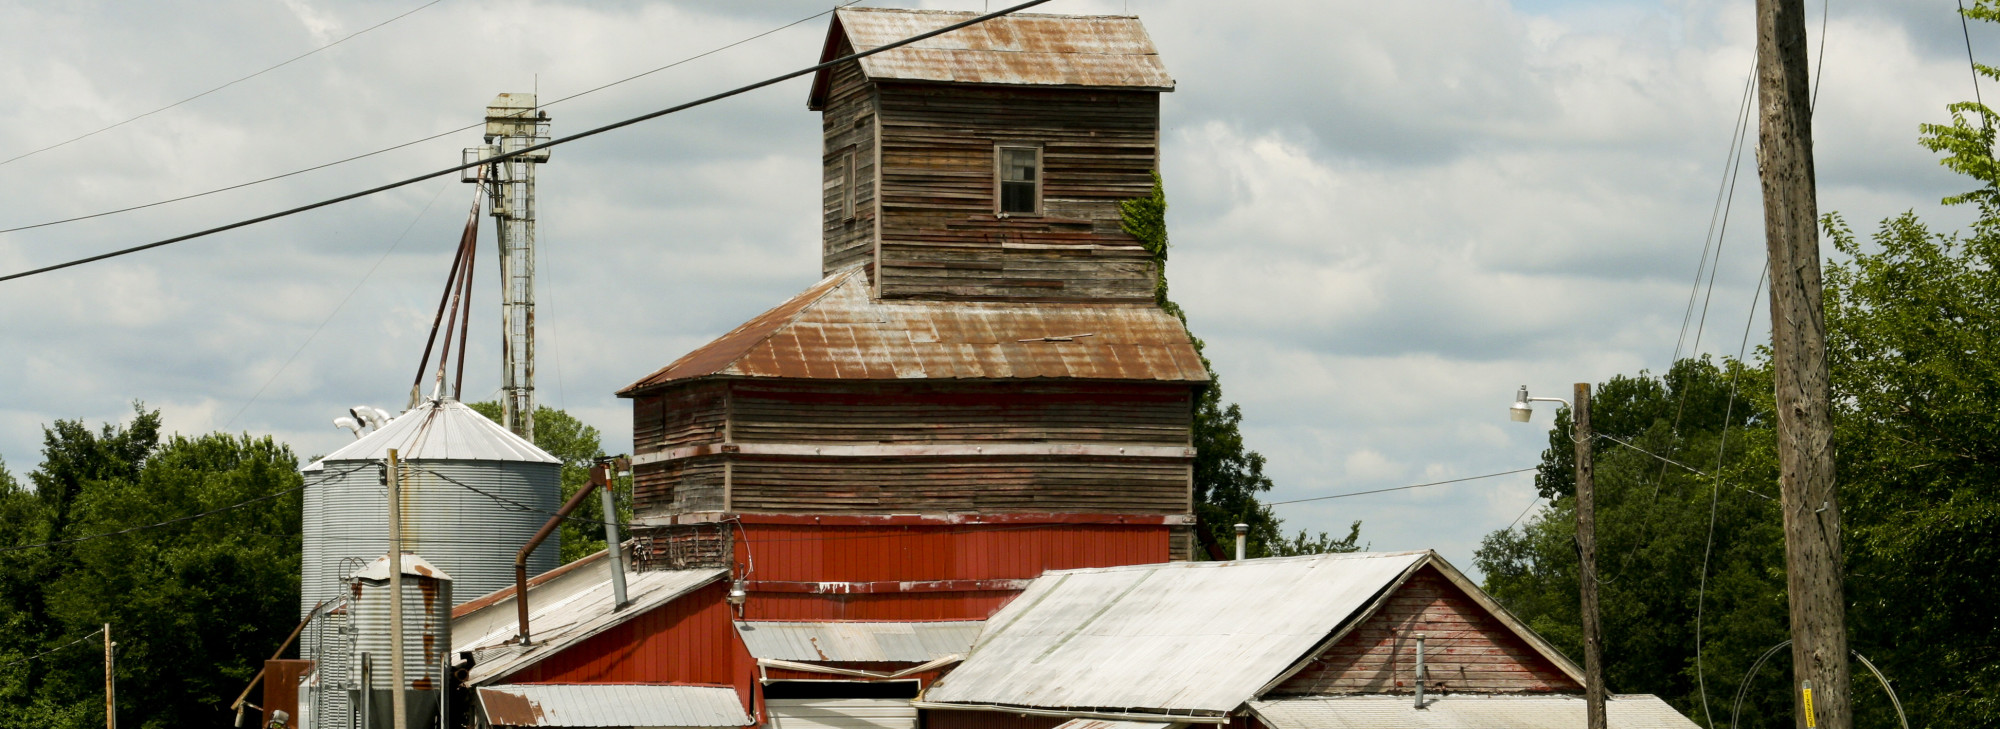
x,y
1214,564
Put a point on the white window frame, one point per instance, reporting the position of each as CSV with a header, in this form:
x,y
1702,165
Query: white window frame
x,y
1041,175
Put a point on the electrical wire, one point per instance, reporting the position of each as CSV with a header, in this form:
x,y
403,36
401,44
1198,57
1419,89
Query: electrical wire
x,y
287,62
533,147
1965,28
1524,513
412,143
336,309
1403,488
1715,497
88,636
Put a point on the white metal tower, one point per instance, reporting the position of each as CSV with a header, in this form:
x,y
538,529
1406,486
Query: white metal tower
x,y
513,122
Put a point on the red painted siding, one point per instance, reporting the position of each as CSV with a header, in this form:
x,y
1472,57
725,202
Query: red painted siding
x,y
691,640
817,553
1466,649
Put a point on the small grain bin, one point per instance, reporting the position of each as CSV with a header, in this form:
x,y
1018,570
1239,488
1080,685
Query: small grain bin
x,y
473,493
426,640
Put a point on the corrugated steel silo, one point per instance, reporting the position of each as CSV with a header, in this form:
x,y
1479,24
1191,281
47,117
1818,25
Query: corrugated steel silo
x,y
426,639
473,493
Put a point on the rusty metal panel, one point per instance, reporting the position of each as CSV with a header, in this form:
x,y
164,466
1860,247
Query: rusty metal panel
x,y
611,705
583,629
836,330
281,689
939,552
1019,49
1464,711
858,641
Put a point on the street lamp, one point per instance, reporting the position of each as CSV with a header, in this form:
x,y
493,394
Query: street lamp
x,y
1586,542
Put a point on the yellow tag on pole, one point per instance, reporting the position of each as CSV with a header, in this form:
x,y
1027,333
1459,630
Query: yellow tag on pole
x,y
1807,691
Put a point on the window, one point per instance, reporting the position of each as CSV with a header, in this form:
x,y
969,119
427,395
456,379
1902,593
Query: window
x,y
847,177
1020,180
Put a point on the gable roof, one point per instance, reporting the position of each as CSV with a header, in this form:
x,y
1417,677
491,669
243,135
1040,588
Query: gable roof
x,y
1027,49
443,430
1191,639
837,330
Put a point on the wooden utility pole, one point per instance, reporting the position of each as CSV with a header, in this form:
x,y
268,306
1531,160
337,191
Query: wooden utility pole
x,y
1798,359
396,698
1586,544
110,683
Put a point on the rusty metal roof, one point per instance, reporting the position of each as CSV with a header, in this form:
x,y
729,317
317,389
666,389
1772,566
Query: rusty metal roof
x,y
612,705
911,642
836,330
1463,711
1091,51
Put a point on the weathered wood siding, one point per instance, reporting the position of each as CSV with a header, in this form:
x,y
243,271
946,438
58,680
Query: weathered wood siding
x,y
940,236
961,412
1466,650
848,123
958,416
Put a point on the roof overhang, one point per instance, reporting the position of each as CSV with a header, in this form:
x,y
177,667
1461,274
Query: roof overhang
x,y
1462,711
612,705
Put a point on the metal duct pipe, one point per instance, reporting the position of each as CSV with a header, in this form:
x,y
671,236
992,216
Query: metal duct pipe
x,y
1420,670
614,546
1242,543
521,557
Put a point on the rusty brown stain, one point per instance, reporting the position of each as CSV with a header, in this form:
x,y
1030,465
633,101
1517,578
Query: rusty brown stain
x,y
425,571
429,588
836,330
816,649
423,684
505,709
430,649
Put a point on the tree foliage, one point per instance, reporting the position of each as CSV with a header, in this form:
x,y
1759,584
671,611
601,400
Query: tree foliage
x,y
195,606
578,446
1228,475
1913,322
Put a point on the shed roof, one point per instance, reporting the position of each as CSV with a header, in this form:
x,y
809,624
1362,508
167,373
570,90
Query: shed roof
x,y
1463,711
1192,639
836,330
612,705
1028,49
443,430
572,617
912,642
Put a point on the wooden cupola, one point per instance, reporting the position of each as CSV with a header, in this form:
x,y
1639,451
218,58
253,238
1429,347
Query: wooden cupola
x,y
988,163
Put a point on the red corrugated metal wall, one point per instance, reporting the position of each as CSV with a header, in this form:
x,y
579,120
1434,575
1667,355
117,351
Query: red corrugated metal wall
x,y
809,555
815,553
689,640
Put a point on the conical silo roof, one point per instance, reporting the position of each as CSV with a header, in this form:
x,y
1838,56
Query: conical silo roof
x,y
441,430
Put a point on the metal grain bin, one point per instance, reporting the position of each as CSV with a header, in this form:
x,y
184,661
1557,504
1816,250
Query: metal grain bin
x,y
426,639
473,494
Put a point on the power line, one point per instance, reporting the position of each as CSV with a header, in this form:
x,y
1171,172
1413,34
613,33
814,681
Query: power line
x,y
1715,496
1966,29
92,634
1524,513
287,62
1403,488
531,148
414,142
336,309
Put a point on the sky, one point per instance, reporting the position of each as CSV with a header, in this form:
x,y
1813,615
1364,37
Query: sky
x,y
1385,216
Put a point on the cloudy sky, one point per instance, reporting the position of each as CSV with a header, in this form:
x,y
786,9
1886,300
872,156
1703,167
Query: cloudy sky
x,y
1386,216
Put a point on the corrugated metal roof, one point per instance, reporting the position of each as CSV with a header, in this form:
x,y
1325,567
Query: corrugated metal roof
x,y
1110,724
620,705
439,430
1096,51
577,615
1461,711
836,330
1182,637
913,642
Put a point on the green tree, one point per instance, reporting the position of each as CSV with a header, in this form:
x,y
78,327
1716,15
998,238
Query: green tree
x,y
1228,476
578,446
195,605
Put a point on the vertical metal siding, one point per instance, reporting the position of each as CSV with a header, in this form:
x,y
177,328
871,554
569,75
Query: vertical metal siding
x,y
689,640
816,553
